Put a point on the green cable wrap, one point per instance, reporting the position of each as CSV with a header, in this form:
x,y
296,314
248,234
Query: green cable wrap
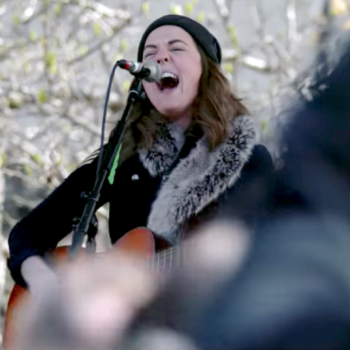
x,y
114,166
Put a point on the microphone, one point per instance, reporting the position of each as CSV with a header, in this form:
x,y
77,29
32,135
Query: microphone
x,y
149,71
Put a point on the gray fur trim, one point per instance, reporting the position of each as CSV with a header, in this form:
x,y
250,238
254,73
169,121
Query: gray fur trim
x,y
164,151
200,178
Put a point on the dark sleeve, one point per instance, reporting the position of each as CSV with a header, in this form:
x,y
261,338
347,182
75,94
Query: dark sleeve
x,y
260,165
52,219
246,200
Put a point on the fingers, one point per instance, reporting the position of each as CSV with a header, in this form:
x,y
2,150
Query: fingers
x,y
89,306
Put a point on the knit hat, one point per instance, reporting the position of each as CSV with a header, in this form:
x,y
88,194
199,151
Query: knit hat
x,y
199,33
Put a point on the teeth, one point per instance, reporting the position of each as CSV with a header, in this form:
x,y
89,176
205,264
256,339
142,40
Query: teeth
x,y
169,75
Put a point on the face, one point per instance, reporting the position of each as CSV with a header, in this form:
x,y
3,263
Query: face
x,y
177,54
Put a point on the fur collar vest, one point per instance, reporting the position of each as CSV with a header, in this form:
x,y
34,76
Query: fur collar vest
x,y
197,179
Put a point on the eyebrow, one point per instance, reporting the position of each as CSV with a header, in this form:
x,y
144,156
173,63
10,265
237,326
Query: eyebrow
x,y
176,41
171,42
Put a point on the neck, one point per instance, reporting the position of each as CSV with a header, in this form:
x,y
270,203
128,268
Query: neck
x,y
184,121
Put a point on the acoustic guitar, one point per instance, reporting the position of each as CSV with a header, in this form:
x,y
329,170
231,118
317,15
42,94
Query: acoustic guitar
x,y
140,242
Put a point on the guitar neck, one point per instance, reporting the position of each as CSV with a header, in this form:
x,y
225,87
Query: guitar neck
x,y
171,258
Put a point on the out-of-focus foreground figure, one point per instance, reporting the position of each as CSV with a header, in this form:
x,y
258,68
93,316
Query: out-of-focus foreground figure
x,y
293,288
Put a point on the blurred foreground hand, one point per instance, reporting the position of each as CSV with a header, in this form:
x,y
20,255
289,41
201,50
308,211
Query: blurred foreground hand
x,y
90,306
98,300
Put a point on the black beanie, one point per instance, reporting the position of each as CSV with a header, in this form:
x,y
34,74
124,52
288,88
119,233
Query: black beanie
x,y
199,33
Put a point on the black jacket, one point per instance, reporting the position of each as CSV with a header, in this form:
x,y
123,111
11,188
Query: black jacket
x,y
162,188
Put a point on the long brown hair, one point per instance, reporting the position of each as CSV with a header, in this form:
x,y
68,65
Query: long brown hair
x,y
212,110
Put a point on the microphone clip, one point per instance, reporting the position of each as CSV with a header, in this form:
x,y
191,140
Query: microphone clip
x,y
149,70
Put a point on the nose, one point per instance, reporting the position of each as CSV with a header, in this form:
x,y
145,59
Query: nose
x,y
162,55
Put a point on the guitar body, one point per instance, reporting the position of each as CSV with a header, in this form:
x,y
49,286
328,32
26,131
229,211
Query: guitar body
x,y
139,242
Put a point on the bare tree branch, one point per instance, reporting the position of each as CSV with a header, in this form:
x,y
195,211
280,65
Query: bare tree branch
x,y
97,46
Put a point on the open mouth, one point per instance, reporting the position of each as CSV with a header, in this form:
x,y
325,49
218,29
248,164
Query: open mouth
x,y
168,81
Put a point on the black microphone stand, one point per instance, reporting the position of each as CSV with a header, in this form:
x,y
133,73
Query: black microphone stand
x,y
82,229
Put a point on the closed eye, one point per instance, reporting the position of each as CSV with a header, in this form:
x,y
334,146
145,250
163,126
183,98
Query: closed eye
x,y
177,49
149,54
